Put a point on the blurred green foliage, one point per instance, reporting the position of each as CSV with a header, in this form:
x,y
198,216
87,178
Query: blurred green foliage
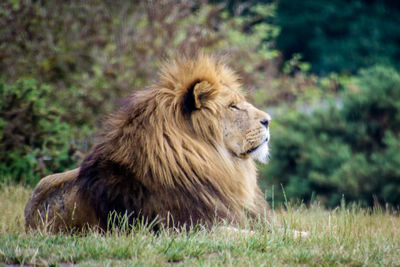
x,y
95,52
340,35
33,140
346,148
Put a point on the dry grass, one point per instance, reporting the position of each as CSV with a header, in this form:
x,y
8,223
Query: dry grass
x,y
12,204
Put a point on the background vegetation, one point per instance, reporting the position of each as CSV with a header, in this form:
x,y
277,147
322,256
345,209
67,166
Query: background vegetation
x,y
328,72
340,35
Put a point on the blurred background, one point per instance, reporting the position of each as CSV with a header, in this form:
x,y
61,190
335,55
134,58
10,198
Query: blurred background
x,y
327,71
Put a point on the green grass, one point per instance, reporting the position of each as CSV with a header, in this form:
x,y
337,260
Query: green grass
x,y
346,236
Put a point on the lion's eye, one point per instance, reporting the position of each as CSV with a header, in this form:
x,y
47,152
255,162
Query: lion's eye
x,y
234,107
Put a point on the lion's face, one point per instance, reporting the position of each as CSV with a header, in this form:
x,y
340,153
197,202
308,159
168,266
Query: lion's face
x,y
245,129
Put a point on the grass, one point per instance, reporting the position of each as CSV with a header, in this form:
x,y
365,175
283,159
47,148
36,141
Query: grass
x,y
348,236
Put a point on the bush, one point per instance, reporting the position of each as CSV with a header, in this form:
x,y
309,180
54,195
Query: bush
x,y
348,149
96,52
34,142
340,36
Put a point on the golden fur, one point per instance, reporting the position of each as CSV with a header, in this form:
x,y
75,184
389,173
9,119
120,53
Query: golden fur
x,y
181,152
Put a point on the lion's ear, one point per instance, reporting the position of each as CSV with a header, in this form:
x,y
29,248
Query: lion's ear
x,y
197,95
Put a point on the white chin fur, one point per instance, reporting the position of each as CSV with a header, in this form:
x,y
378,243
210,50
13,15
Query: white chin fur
x,y
261,153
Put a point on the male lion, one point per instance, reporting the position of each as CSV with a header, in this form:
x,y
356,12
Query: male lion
x,y
181,152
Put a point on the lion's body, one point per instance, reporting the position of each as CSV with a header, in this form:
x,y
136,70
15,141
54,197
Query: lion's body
x,y
177,152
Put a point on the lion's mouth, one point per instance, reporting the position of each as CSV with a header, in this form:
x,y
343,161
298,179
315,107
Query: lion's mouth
x,y
251,150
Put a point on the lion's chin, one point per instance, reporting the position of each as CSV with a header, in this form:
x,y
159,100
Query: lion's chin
x,y
261,153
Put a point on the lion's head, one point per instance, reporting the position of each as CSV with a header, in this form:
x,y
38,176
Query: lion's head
x,y
215,109
181,151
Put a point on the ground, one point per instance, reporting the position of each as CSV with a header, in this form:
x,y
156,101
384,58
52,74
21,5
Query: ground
x,y
348,236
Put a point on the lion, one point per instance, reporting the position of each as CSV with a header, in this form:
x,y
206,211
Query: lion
x,y
180,153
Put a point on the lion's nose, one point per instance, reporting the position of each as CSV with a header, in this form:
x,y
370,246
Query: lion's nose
x,y
265,122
